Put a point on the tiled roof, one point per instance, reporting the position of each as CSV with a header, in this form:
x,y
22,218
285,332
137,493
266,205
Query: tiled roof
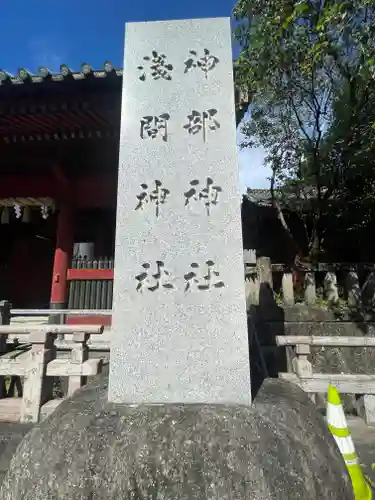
x,y
262,197
26,77
259,196
29,111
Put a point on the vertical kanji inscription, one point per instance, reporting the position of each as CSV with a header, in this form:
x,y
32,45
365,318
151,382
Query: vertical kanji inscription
x,y
155,196
205,63
208,195
202,122
148,281
157,66
203,278
154,126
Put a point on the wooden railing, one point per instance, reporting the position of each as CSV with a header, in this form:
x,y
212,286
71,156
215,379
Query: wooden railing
x,y
35,360
353,284
95,343
312,383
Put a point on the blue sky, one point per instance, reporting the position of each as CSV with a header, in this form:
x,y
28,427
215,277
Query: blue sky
x,y
49,33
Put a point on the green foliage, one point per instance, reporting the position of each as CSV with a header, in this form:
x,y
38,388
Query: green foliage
x,y
308,67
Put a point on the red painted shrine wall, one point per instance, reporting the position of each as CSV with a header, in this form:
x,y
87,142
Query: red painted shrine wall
x,y
89,274
26,261
30,272
88,191
27,258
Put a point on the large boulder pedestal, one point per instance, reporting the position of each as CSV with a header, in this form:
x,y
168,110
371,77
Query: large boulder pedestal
x,y
89,449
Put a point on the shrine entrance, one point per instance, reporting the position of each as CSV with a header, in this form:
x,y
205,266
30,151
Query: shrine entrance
x,y
59,141
26,260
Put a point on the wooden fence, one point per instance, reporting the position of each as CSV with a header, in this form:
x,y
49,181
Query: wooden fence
x,y
301,372
34,359
333,283
91,283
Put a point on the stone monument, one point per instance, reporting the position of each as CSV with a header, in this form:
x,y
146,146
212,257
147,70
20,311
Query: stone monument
x,y
179,315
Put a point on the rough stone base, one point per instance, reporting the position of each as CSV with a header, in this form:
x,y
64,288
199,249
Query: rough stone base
x,y
10,437
89,449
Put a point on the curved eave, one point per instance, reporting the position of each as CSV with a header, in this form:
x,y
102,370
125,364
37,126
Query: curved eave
x,y
58,77
66,105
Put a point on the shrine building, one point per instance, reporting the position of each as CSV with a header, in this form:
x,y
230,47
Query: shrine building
x,y
59,144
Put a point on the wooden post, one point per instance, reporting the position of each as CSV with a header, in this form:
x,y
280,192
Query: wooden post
x,y
265,280
288,289
366,408
3,350
353,290
63,253
251,278
368,291
5,307
249,256
79,355
265,270
301,365
310,288
252,290
330,288
37,389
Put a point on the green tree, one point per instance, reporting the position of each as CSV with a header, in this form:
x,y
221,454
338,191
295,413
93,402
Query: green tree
x,y
308,67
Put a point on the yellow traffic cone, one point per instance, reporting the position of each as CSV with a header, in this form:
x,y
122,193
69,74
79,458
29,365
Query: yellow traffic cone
x,y
338,426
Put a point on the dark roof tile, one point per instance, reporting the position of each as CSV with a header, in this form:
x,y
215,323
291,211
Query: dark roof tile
x,y
25,77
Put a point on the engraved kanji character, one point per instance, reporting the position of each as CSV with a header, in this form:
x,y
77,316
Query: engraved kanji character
x,y
198,121
158,66
206,63
152,282
151,126
157,196
205,282
209,194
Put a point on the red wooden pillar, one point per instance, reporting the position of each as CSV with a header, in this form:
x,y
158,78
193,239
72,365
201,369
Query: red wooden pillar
x,y
63,254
